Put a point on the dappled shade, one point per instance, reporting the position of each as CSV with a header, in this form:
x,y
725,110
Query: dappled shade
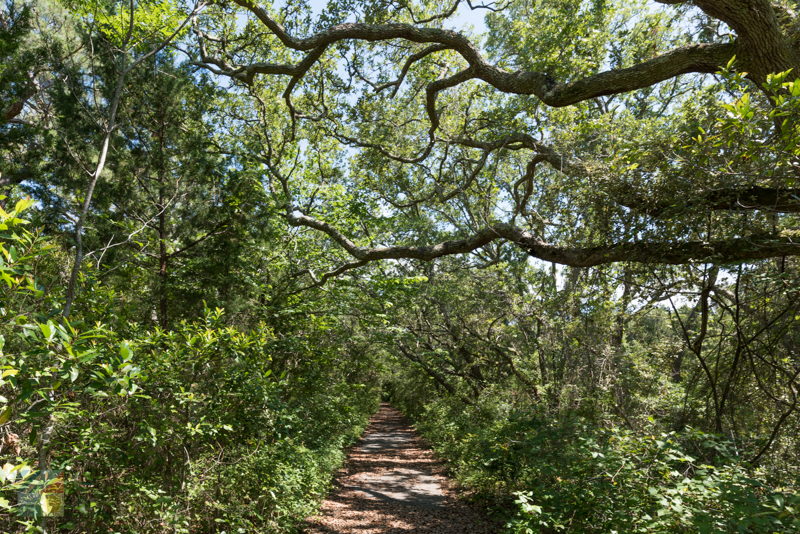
x,y
391,484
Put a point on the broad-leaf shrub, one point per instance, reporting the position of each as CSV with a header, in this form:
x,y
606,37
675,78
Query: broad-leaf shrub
x,y
570,476
187,430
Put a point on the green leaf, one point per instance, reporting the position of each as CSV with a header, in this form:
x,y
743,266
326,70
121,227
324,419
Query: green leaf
x,y
23,204
47,330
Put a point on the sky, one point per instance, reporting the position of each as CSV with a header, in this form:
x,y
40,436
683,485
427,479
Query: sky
x,y
463,18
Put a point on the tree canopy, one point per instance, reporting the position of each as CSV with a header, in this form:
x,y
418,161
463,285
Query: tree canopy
x,y
455,137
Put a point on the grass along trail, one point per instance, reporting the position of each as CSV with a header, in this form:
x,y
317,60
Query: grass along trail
x,y
391,484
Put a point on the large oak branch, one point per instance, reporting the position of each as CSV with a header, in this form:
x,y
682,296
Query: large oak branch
x,y
700,58
733,250
773,199
735,198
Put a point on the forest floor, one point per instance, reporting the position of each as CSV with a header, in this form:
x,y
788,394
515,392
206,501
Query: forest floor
x,y
393,484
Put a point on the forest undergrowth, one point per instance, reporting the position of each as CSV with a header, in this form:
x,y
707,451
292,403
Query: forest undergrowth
x,y
200,429
565,474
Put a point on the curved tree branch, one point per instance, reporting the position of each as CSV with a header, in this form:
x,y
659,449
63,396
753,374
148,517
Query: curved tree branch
x,y
755,247
755,197
736,198
699,58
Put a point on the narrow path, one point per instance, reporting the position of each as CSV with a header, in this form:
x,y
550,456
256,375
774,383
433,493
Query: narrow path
x,y
392,484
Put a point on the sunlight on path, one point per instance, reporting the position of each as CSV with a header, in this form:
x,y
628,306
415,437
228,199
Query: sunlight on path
x,y
392,484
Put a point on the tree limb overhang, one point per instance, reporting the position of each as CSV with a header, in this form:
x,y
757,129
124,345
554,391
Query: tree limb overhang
x,y
759,45
696,58
733,198
755,197
755,247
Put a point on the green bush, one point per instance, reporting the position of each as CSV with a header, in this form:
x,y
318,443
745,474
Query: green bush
x,y
566,475
187,430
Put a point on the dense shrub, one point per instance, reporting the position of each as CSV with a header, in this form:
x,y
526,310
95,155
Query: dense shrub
x,y
187,430
566,475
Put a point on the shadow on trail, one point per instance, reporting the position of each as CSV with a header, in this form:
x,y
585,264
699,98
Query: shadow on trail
x,y
392,484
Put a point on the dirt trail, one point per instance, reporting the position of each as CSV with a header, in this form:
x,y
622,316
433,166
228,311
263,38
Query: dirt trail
x,y
393,484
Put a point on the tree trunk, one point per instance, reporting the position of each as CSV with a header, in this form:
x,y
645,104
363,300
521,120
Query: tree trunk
x,y
163,256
